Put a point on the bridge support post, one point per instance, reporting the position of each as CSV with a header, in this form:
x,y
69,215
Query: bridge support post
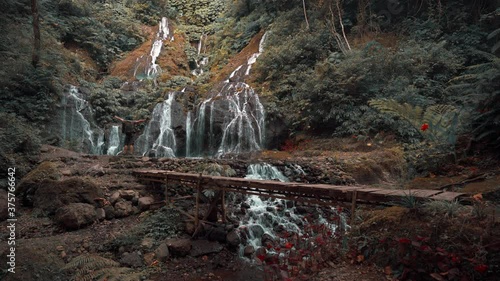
x,y
198,194
166,191
353,204
223,205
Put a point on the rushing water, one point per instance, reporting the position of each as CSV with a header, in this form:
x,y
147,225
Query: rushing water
x,y
265,217
114,141
158,138
78,130
146,66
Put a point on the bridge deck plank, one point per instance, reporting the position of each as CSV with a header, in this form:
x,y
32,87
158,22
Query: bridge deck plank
x,y
292,190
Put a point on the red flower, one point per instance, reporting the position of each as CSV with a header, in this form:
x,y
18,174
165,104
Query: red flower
x,y
424,127
455,259
261,257
277,249
269,246
404,241
288,245
481,268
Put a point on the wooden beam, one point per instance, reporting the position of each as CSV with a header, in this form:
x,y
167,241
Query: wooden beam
x,y
198,194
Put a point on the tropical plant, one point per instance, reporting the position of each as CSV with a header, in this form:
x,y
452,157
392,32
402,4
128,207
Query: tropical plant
x,y
438,123
91,267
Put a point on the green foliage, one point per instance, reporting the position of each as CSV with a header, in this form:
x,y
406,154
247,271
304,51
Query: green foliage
x,y
442,120
437,207
478,89
96,268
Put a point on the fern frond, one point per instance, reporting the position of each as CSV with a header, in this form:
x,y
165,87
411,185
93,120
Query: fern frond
x,y
89,262
406,111
493,34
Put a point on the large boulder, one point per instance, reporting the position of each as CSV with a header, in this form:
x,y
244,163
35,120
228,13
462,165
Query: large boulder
x,y
51,195
178,246
123,209
204,247
131,259
233,238
75,215
30,183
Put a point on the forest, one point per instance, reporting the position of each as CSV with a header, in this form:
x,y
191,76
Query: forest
x,y
391,94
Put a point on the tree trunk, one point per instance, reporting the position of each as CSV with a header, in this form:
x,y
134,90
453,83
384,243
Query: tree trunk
x,y
36,31
305,13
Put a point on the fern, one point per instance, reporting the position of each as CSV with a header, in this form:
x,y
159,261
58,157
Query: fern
x,y
94,267
442,119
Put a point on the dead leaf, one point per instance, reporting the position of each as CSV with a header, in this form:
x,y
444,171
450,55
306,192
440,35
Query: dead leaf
x,y
478,197
388,270
360,258
437,276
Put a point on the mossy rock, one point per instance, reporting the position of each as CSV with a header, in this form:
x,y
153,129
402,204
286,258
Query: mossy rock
x,y
29,184
52,195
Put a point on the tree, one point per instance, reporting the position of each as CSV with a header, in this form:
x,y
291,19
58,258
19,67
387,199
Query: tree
x,y
36,32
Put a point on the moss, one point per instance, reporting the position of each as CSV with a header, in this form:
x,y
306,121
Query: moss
x,y
30,183
388,216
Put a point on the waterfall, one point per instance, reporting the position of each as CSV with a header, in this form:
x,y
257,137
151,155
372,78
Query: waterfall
x,y
158,138
237,117
200,128
266,218
146,66
114,141
78,130
243,131
253,57
258,219
202,60
188,134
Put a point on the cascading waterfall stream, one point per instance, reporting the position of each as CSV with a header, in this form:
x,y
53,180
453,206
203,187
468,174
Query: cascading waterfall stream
x,y
262,221
114,141
78,128
146,66
158,138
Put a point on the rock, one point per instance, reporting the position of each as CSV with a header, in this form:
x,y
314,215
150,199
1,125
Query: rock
x,y
190,228
131,259
30,183
60,248
233,238
145,202
114,197
75,215
123,209
109,211
162,253
128,194
256,230
4,214
245,205
178,246
147,243
267,238
217,234
100,214
52,195
248,251
96,171
66,172
149,258
204,247
63,254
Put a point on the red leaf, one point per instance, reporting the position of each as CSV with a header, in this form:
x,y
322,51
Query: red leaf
x,y
481,268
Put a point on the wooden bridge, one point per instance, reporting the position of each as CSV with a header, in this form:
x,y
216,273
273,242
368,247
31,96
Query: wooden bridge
x,y
321,194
